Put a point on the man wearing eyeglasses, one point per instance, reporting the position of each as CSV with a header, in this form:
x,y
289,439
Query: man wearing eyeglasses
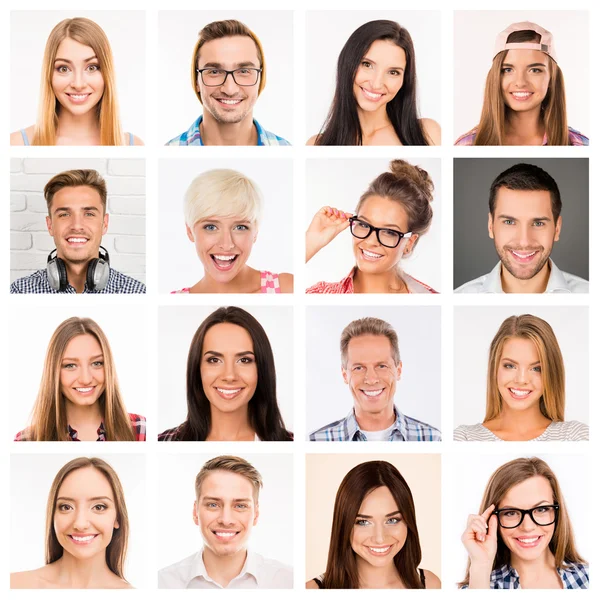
x,y
228,75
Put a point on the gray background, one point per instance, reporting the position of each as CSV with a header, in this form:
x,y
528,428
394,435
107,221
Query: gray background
x,y
474,251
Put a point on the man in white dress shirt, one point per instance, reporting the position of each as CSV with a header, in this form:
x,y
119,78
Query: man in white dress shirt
x,y
524,221
226,510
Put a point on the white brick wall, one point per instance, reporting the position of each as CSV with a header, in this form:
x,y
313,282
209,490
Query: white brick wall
x,y
125,241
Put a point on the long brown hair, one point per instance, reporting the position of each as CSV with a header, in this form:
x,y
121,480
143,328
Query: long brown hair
x,y
539,332
116,551
342,571
49,418
491,128
562,544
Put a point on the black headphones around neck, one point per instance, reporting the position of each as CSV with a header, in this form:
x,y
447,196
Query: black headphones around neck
x,y
96,278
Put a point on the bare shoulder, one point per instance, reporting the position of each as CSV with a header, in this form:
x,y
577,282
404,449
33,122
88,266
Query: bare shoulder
x,y
312,140
311,585
432,130
120,584
136,140
432,581
28,580
16,137
286,283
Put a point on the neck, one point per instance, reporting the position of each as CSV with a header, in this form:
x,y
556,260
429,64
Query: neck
x,y
373,121
378,283
536,285
526,128
534,570
85,420
76,275
214,133
78,127
370,577
375,421
521,424
223,569
77,573
230,427
246,281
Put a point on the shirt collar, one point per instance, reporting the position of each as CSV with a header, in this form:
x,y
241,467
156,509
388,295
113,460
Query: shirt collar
x,y
194,131
197,568
101,431
354,432
509,573
556,281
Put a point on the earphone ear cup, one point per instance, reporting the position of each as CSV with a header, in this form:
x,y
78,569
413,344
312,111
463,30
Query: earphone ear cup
x,y
57,274
90,276
97,275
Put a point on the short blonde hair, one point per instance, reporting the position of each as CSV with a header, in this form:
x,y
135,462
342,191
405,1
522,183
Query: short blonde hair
x,y
232,464
222,193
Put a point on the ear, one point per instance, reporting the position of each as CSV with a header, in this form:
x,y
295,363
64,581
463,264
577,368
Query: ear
x,y
412,240
49,225
558,228
398,371
345,375
256,513
116,525
195,513
190,233
491,225
255,236
105,224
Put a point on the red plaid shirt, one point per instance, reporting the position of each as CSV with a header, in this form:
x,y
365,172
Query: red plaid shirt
x,y
137,422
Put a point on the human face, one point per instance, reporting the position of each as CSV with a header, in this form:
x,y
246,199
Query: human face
x,y
82,379
525,77
77,81
523,230
228,103
85,515
223,245
228,368
379,531
380,75
226,511
371,374
77,223
370,255
528,541
520,379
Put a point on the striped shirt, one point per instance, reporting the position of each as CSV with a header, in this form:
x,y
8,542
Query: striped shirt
x,y
37,283
192,136
405,429
574,576
346,286
576,138
557,431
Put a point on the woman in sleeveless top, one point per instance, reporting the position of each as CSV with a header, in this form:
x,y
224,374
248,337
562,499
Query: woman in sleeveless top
x,y
374,539
222,211
78,104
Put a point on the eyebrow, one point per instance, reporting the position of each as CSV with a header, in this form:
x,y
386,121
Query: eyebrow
x,y
83,208
531,65
218,65
387,226
515,218
71,62
540,503
91,357
221,499
391,68
89,499
221,355
537,362
396,512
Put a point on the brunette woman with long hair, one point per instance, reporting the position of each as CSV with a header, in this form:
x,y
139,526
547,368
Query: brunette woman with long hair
x,y
231,383
78,97
375,101
525,101
522,536
374,539
79,397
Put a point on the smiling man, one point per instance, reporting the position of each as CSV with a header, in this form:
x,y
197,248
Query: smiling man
x,y
371,366
77,220
524,221
228,75
225,511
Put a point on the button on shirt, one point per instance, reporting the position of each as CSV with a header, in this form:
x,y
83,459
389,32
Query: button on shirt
x,y
37,283
405,429
192,136
257,572
559,282
574,576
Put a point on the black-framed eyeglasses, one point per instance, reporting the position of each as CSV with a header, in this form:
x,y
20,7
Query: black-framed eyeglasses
x,y
389,238
545,515
245,76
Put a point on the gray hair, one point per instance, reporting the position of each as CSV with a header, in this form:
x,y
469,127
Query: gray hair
x,y
369,326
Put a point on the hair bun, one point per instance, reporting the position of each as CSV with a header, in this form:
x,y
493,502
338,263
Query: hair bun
x,y
416,175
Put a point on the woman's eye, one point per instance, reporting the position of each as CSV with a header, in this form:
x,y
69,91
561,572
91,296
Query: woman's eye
x,y
509,366
100,507
395,73
537,369
62,69
69,366
246,360
362,522
506,70
241,227
366,64
93,68
209,227
97,363
212,360
394,520
63,507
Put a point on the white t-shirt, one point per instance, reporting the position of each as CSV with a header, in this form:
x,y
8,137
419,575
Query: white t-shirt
x,y
379,436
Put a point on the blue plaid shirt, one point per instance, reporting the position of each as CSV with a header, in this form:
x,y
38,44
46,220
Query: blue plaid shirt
x,y
192,136
575,576
37,283
405,429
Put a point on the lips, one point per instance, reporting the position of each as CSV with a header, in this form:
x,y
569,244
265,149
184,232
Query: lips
x,y
523,257
519,393
225,535
379,550
526,542
521,96
371,96
370,256
228,393
78,98
373,394
229,102
82,540
224,262
85,391
76,241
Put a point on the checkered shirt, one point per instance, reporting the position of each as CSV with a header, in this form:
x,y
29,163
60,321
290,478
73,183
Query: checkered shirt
x,y
137,422
192,136
171,435
406,429
576,138
37,283
574,576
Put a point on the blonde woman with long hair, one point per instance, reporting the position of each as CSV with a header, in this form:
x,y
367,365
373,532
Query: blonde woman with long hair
x,y
522,536
525,387
78,96
79,397
87,530
525,101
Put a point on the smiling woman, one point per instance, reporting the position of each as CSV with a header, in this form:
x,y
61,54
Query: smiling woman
x,y
78,103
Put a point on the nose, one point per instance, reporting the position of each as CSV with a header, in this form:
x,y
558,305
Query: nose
x,y
524,234
377,77
85,374
230,87
371,375
226,240
81,522
521,374
229,371
77,79
378,534
520,78
226,516
528,523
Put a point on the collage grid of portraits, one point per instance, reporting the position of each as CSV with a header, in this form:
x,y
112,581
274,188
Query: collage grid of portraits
x,y
294,522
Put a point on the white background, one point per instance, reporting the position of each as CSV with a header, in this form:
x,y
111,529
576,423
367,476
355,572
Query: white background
x,y
176,495
30,333
31,479
179,263
464,499
177,35
476,328
474,39
125,31
177,327
341,183
328,398
326,34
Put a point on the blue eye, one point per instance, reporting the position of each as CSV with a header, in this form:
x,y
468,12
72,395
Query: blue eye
x,y
209,227
508,221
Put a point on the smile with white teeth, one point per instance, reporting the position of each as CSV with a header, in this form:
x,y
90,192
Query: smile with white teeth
x,y
523,256
519,393
82,539
229,101
372,393
379,550
224,257
521,95
229,392
226,535
84,390
76,240
529,541
371,95
371,255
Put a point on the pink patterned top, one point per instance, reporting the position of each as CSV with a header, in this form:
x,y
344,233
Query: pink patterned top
x,y
269,284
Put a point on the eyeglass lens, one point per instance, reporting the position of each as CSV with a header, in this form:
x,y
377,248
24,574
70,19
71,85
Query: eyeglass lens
x,y
386,237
